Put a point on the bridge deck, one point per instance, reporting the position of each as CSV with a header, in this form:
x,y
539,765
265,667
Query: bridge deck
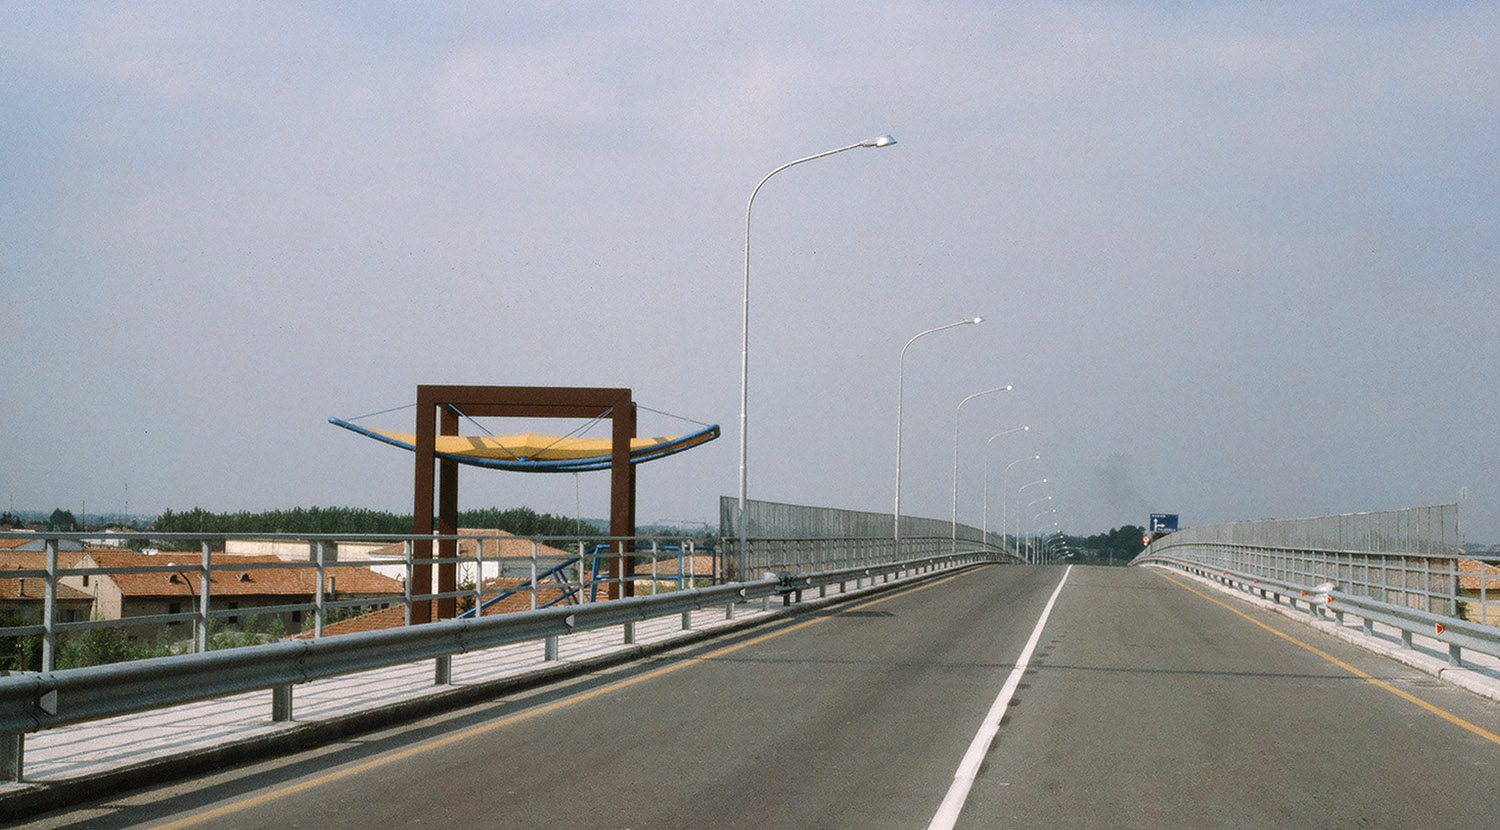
x,y
1152,700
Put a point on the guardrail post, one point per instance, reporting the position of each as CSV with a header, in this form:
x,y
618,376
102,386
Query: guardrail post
x,y
1406,639
549,648
12,753
410,566
49,611
322,583
205,577
281,704
687,620
630,633
1454,657
442,673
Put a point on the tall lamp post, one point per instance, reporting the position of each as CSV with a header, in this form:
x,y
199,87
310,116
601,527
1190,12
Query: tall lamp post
x,y
900,375
878,141
985,523
1031,543
1006,388
1005,499
1037,522
1047,550
1019,490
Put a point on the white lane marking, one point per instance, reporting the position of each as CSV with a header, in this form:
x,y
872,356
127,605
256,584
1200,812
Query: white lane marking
x,y
968,769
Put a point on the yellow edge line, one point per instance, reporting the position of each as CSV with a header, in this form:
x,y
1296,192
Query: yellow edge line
x,y
455,737
1407,696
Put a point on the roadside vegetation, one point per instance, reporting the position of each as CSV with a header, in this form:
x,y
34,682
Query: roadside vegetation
x,y
522,521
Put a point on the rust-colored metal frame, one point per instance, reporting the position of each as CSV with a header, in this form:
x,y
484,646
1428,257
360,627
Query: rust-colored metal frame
x,y
437,414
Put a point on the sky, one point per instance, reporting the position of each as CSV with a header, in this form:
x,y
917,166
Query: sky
x,y
1237,260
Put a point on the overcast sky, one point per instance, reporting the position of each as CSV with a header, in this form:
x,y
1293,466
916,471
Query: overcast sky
x,y
1239,260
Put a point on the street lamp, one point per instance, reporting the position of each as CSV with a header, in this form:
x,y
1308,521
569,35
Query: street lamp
x,y
878,141
1047,544
1037,522
1018,509
1031,542
958,409
985,524
900,375
1005,500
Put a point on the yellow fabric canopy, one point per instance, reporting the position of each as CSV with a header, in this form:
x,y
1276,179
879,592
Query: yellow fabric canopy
x,y
525,445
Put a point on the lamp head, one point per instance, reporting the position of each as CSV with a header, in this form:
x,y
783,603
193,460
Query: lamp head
x,y
878,141
978,320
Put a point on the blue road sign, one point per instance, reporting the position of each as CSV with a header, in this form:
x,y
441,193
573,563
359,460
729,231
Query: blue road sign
x,y
1163,522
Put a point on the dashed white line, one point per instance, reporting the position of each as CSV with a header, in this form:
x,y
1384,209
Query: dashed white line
x,y
968,769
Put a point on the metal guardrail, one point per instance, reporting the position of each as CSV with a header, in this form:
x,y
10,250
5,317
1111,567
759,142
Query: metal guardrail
x,y
844,538
31,702
1327,598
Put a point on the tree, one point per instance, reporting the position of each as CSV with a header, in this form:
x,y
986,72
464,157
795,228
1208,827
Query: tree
x,y
62,521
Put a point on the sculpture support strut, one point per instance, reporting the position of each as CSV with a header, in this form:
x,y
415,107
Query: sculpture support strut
x,y
437,414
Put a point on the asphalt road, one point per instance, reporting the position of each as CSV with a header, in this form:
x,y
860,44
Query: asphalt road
x,y
1149,702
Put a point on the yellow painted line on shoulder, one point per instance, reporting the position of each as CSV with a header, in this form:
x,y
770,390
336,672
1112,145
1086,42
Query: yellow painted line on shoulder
x,y
1436,710
475,731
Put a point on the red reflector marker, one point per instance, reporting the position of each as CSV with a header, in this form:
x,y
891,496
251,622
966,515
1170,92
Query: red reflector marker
x,y
1440,628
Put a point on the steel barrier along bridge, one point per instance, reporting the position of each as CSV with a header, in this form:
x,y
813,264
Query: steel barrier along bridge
x,y
1340,671
556,581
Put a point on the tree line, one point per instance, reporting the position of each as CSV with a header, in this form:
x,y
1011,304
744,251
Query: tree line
x,y
522,521
1117,546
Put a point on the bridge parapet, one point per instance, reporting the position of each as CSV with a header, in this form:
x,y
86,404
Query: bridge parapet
x,y
1408,558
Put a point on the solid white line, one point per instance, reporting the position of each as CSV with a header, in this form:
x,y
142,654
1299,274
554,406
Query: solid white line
x,y
968,769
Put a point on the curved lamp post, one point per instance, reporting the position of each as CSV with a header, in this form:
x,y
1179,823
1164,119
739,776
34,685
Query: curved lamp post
x,y
1047,550
1036,536
900,375
878,141
1036,539
958,409
1018,508
1005,500
985,524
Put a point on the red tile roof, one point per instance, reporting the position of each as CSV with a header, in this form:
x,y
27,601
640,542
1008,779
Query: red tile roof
x,y
230,579
497,543
1469,576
